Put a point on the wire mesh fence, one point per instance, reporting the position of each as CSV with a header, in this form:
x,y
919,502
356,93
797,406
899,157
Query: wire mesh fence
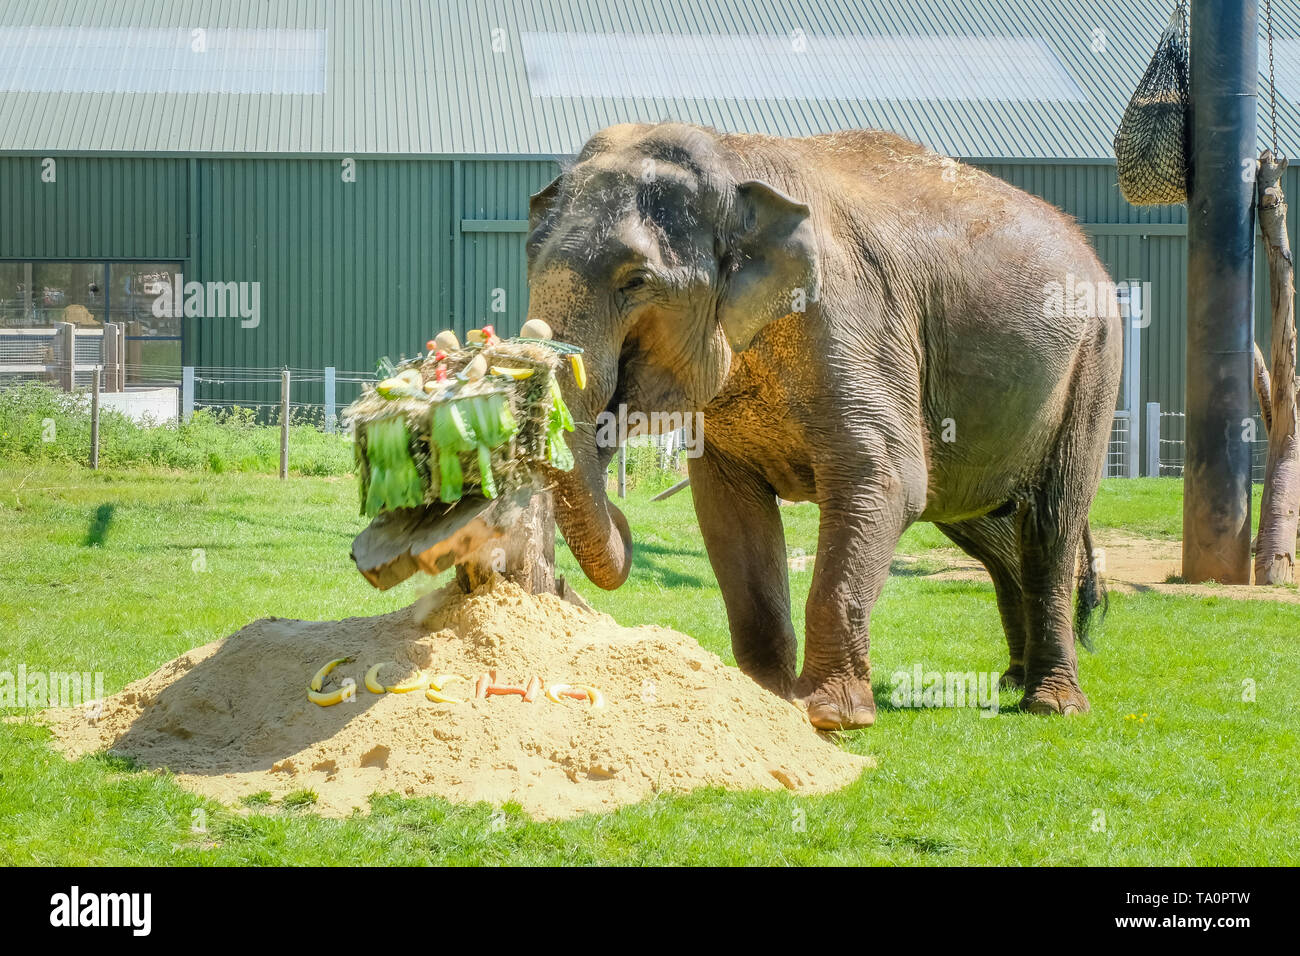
x,y
1119,448
1172,439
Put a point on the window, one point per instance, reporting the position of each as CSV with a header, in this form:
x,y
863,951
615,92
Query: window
x,y
719,66
37,297
161,60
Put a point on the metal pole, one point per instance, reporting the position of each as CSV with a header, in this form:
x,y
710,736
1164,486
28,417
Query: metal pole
x,y
622,471
187,393
329,399
1220,287
1133,387
1153,439
94,417
284,424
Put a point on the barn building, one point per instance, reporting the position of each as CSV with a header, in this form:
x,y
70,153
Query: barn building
x,y
343,179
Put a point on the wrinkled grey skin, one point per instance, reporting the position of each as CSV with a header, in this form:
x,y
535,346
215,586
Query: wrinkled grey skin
x,y
929,377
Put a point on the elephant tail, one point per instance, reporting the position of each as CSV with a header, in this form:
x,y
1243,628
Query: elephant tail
x,y
1091,592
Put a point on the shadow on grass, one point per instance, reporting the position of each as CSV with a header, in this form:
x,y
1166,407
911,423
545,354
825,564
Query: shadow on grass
x,y
663,572
99,525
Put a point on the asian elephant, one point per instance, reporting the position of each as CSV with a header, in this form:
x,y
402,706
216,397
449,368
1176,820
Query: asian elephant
x,y
865,324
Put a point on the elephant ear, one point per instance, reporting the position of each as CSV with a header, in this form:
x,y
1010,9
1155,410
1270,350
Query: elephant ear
x,y
539,203
774,263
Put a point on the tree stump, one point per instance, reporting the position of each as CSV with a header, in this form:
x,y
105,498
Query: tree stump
x,y
524,554
512,536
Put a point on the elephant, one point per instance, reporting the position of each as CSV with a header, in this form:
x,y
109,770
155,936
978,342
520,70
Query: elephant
x,y
865,324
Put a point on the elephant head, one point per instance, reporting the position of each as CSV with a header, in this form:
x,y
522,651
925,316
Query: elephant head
x,y
659,258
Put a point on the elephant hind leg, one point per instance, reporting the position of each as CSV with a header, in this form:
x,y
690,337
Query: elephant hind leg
x,y
1053,525
1050,535
994,540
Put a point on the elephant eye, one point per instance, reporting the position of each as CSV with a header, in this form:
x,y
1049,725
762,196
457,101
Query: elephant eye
x,y
633,283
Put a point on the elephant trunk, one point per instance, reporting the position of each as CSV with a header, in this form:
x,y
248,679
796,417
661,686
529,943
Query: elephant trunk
x,y
596,531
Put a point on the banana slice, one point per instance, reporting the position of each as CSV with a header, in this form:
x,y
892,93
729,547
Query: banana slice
x,y
375,686
579,370
557,692
418,682
436,684
518,374
344,692
318,679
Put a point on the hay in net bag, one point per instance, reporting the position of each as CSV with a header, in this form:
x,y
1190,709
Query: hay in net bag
x,y
1151,142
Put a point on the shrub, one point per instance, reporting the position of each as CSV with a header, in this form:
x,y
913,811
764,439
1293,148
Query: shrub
x,y
39,423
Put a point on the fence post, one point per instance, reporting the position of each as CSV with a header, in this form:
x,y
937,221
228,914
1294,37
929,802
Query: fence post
x,y
109,357
1153,439
120,371
284,424
94,417
187,393
67,339
329,398
622,470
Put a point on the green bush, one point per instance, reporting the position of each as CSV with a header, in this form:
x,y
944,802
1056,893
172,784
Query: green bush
x,y
39,423
643,471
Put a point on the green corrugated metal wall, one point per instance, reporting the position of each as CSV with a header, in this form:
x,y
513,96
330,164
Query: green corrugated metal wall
x,y
352,271
97,208
497,191
349,271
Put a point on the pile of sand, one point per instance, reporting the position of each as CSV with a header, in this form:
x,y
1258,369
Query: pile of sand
x,y
232,718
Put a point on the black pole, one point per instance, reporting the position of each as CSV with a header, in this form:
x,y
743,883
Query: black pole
x,y
1220,291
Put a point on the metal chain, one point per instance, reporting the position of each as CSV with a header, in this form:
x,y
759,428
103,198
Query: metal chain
x,y
1272,79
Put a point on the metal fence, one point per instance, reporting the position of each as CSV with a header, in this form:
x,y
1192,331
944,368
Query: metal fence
x,y
1169,431
64,355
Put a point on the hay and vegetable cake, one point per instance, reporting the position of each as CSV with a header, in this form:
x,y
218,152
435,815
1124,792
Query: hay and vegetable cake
x,y
464,419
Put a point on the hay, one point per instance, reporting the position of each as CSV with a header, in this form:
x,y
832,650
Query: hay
x,y
503,427
1151,142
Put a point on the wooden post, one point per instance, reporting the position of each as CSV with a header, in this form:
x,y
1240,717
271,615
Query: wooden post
x,y
622,470
94,417
66,336
108,355
284,424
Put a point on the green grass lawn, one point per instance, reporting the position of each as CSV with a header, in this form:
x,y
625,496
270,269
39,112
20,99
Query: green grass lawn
x,y
121,571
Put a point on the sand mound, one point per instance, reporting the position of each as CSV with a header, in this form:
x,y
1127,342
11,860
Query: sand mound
x,y
232,718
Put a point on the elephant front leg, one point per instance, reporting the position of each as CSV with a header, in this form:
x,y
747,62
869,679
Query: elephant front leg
x,y
856,542
741,525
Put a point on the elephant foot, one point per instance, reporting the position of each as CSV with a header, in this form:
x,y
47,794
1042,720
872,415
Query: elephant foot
x,y
779,682
1064,699
1013,678
837,704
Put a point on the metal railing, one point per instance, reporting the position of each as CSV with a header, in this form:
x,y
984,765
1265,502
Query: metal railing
x,y
64,355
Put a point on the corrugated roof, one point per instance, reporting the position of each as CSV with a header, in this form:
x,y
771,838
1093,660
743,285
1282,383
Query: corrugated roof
x,y
451,76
